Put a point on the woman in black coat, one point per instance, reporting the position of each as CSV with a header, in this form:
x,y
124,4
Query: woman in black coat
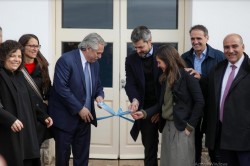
x,y
37,67
18,136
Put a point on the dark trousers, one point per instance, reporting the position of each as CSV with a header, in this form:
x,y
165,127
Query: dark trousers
x,y
198,142
78,139
150,135
235,158
32,162
228,157
215,154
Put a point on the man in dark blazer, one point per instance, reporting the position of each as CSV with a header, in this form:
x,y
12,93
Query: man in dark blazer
x,y
143,90
229,128
69,105
200,60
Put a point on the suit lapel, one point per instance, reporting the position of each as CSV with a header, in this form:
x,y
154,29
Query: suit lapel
x,y
137,65
79,66
92,69
218,77
243,72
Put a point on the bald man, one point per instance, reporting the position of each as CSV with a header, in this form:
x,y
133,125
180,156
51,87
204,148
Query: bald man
x,y
229,105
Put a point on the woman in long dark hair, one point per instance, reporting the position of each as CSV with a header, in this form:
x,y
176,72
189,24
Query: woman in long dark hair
x,y
36,68
181,105
35,63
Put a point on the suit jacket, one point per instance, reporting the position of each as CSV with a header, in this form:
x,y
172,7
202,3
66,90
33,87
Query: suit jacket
x,y
235,130
135,84
68,93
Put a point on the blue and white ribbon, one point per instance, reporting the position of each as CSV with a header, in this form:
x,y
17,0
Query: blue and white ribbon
x,y
119,113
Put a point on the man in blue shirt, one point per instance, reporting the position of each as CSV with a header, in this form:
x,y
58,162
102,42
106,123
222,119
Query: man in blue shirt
x,y
200,59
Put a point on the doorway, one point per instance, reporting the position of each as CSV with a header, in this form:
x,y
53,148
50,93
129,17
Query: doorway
x,y
114,20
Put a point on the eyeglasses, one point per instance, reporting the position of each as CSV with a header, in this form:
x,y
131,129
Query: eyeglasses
x,y
34,46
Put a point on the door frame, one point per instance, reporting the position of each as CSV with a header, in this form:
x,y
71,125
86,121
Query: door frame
x,y
111,140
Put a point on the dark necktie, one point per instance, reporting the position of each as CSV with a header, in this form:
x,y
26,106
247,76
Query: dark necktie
x,y
228,85
88,86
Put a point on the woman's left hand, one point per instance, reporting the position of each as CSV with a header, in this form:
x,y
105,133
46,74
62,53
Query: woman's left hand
x,y
137,115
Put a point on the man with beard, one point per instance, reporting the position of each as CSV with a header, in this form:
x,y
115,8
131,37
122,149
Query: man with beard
x,y
143,90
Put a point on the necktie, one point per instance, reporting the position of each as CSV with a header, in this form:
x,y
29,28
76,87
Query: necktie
x,y
88,86
228,85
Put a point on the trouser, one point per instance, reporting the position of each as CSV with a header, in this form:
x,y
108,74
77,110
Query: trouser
x,y
215,154
150,135
32,162
78,139
198,142
235,158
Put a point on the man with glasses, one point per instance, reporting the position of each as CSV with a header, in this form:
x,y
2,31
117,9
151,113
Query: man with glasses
x,y
143,90
71,104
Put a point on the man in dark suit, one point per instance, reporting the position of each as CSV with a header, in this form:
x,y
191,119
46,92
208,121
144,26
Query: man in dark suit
x,y
228,117
71,103
143,90
200,60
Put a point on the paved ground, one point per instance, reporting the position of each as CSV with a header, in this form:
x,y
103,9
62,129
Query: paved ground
x,y
96,162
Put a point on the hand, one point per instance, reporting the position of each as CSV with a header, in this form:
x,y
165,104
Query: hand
x,y
155,118
17,126
133,107
99,99
193,72
85,115
49,122
137,115
187,132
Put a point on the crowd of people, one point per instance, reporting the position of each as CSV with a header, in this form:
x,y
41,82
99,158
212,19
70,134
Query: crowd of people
x,y
204,91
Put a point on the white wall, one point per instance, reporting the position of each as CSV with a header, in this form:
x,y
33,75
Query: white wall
x,y
18,17
222,17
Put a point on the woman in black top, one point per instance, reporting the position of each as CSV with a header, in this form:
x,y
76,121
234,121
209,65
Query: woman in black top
x,y
37,67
